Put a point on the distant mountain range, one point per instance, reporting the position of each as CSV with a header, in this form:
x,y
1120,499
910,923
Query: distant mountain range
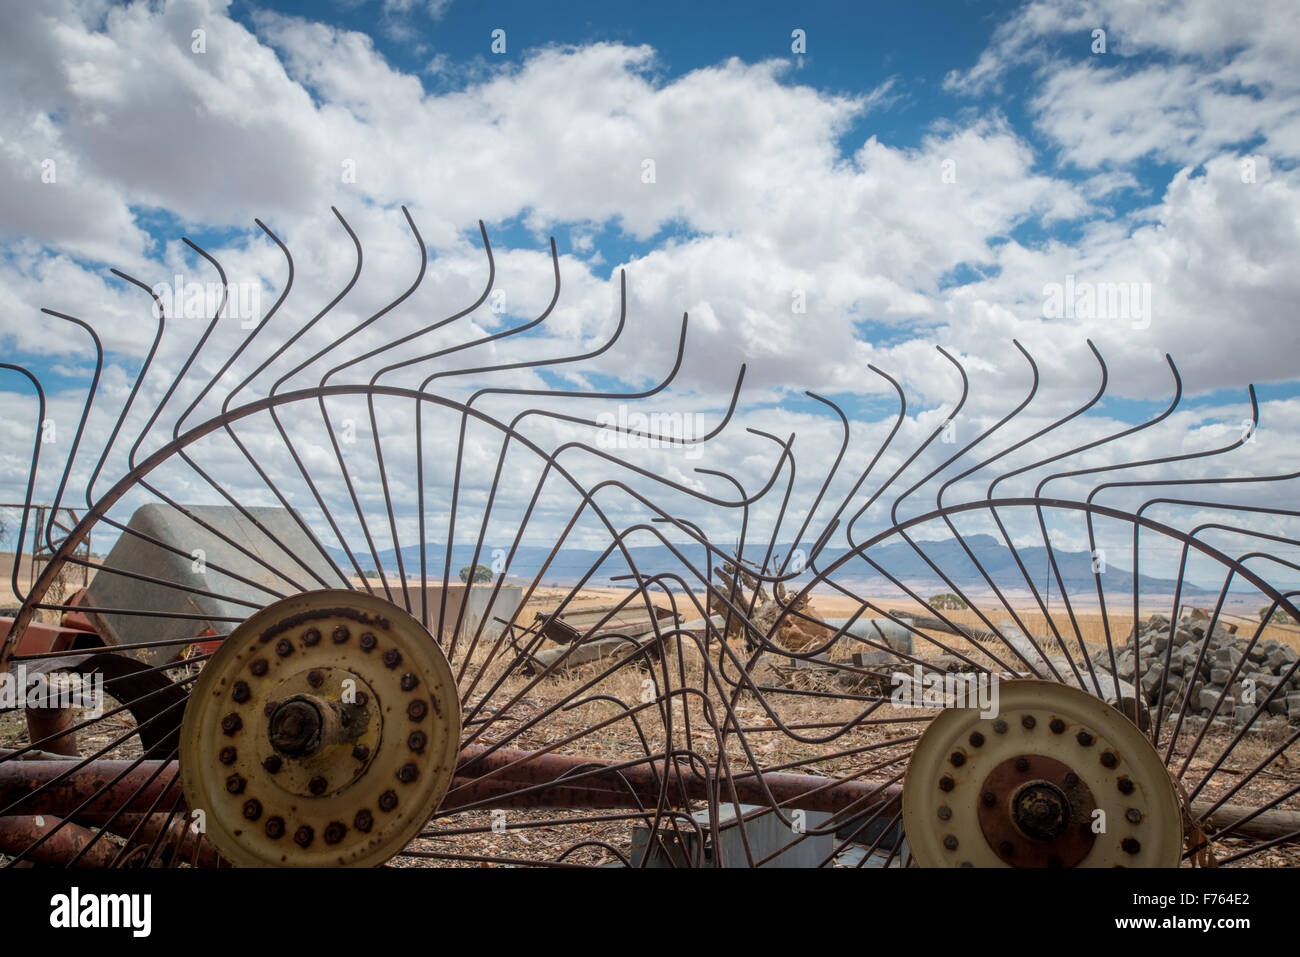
x,y
898,558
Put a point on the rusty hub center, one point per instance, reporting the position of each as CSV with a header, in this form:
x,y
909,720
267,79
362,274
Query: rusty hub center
x,y
1035,811
1041,811
295,728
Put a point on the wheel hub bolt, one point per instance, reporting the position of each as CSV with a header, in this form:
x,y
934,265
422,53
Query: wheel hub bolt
x,y
334,832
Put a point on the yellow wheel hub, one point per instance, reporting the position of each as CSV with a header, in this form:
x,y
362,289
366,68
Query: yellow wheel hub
x,y
1057,778
323,732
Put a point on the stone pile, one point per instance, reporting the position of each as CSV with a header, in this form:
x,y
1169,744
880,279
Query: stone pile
x,y
1204,669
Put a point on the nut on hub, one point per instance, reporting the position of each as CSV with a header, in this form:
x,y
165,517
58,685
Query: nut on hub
x,y
317,733
1058,778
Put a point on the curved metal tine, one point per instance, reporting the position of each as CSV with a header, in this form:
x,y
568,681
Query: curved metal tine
x,y
1046,660
1202,505
880,490
501,464
1033,437
153,418
781,510
514,425
31,482
135,387
1075,473
279,426
455,485
379,453
957,456
1149,483
880,451
961,402
271,486
588,498
344,472
1260,708
220,488
305,327
189,361
81,423
1042,523
830,475
1092,544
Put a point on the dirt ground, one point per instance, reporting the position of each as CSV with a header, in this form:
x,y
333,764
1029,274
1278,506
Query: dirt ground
x,y
515,714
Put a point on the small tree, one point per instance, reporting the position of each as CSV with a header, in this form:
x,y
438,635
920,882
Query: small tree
x,y
946,602
1279,617
481,573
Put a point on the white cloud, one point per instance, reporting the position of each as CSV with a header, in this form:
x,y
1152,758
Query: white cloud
x,y
747,168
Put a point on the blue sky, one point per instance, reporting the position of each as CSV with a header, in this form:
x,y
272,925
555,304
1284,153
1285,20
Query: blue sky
x,y
922,175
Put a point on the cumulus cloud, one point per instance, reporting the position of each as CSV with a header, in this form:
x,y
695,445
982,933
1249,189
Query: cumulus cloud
x,y
795,251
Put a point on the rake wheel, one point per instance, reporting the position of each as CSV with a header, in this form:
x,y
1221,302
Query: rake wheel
x,y
1057,778
324,731
673,722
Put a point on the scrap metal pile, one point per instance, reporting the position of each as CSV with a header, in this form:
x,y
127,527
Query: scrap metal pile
x,y
296,674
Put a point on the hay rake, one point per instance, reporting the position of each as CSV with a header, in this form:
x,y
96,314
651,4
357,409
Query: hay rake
x,y
299,677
